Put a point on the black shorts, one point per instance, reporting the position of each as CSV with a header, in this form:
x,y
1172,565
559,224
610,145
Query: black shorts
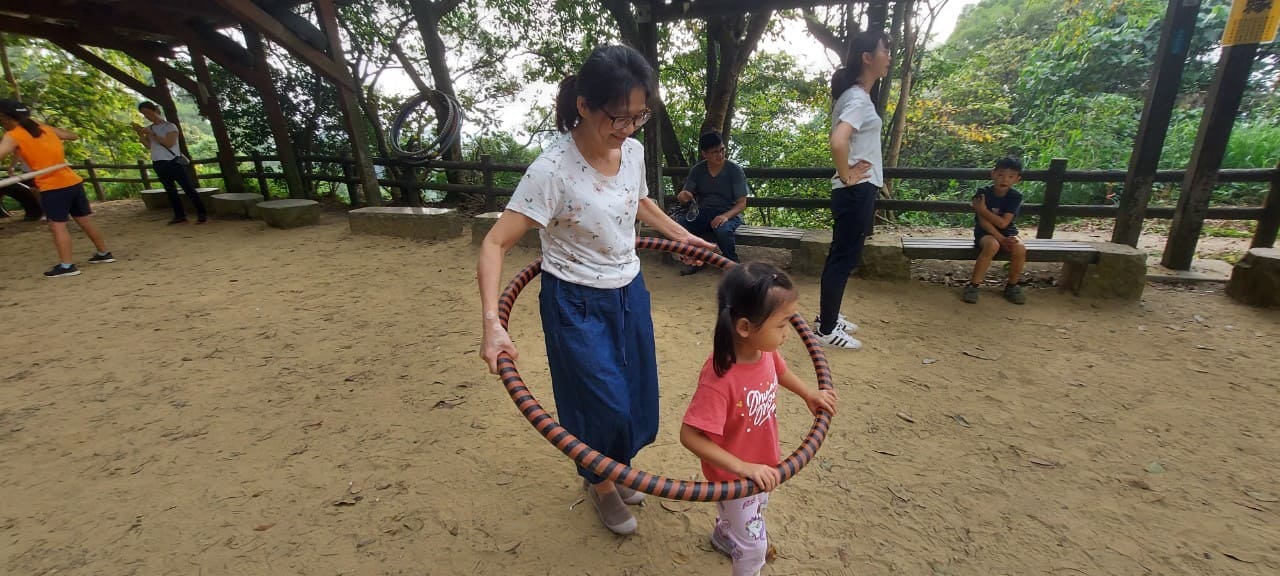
x,y
64,202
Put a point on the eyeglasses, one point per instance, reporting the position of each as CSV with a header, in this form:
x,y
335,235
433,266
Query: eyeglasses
x,y
718,151
621,122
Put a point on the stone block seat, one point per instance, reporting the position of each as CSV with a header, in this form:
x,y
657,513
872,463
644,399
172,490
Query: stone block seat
x,y
235,204
158,199
1255,279
290,213
406,222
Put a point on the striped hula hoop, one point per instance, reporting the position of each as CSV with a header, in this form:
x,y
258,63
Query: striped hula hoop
x,y
602,465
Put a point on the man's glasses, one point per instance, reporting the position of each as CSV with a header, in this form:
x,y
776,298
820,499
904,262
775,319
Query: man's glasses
x,y
621,122
717,151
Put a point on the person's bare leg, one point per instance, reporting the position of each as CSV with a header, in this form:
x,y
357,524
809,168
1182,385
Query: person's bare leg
x,y
61,241
91,230
1017,260
989,248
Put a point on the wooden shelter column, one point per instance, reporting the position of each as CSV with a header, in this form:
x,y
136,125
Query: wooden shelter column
x,y
1225,95
648,33
212,110
1166,76
348,101
275,115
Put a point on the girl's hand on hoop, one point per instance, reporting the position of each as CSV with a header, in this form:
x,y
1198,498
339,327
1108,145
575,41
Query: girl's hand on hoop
x,y
822,400
766,477
494,343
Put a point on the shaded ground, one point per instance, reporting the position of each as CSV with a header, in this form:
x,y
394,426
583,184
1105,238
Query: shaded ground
x,y
229,399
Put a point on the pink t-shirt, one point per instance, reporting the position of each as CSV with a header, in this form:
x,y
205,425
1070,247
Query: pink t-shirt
x,y
738,411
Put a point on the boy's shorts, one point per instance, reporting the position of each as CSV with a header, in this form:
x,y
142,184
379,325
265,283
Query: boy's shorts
x,y
63,202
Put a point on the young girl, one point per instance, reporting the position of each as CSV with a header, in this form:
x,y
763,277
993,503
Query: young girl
x,y
731,423
855,150
585,193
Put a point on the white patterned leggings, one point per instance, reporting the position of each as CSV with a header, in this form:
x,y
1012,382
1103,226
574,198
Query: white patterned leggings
x,y
740,533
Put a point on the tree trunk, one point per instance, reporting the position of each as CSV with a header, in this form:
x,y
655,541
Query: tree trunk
x,y
427,14
736,38
901,12
899,124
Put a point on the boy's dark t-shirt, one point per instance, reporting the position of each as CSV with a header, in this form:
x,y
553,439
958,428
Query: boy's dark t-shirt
x,y
716,195
1010,203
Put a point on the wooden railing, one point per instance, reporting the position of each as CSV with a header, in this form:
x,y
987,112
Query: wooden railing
x,y
342,171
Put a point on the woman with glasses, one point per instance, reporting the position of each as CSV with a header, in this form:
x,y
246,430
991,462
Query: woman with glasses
x,y
584,193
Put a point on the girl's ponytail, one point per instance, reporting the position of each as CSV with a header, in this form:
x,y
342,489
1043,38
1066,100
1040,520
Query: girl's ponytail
x,y
723,355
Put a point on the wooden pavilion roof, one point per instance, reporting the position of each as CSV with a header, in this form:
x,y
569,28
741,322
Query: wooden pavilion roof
x,y
141,27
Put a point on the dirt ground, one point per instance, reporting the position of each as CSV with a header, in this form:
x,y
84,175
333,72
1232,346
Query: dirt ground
x,y
231,399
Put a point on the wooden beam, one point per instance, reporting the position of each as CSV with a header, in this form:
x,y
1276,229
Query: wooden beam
x,y
353,121
685,9
160,69
275,116
1225,95
648,32
82,36
212,110
233,57
149,92
251,15
1162,96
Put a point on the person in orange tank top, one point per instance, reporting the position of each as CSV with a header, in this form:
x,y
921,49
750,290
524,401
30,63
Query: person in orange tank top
x,y
61,191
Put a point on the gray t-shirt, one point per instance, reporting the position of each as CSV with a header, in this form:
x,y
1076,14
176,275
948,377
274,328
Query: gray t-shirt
x,y
160,151
717,194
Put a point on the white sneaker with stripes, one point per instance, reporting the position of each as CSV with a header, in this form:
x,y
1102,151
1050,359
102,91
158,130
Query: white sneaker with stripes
x,y
842,324
839,339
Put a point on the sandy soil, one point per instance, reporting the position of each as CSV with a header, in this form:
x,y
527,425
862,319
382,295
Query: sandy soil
x,y
231,399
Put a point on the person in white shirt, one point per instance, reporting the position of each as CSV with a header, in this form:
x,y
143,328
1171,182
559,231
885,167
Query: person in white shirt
x,y
855,150
169,163
584,193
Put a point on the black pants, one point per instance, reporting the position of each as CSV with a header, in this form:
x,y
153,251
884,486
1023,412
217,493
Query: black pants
x,y
854,208
172,175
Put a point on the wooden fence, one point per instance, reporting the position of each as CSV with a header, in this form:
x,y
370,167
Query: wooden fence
x,y
1049,210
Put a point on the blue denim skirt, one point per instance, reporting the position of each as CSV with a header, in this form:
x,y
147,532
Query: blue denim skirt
x,y
604,370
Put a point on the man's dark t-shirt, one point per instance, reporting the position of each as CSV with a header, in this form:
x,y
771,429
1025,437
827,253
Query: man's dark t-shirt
x,y
1010,203
717,194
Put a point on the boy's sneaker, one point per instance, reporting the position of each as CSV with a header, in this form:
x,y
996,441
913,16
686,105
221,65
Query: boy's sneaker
x,y
838,339
59,271
102,258
1013,293
842,324
971,293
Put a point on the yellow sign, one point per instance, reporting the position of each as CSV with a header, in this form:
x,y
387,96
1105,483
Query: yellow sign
x,y
1252,22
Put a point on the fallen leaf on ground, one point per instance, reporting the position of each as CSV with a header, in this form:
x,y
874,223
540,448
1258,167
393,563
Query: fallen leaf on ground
x,y
675,506
887,452
447,404
511,547
905,416
1238,557
993,356
263,527
928,361
1042,462
1263,496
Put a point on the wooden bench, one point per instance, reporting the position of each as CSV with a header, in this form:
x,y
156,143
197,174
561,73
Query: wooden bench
x,y
1089,269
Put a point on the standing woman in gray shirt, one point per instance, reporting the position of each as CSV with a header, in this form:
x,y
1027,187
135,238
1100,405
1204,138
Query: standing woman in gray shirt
x,y
855,150
170,165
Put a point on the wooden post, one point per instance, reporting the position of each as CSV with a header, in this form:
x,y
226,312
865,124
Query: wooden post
x,y
275,115
648,32
1052,197
262,176
409,195
1166,75
352,119
142,174
93,179
212,110
1220,111
349,180
1269,223
487,177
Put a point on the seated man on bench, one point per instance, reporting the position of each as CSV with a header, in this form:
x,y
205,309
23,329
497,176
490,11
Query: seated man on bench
x,y
719,188
994,208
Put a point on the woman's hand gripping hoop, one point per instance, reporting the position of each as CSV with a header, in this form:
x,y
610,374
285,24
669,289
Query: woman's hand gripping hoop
x,y
588,458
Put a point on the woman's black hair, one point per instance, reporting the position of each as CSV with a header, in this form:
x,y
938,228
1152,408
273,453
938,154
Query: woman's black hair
x,y
22,115
148,105
753,291
607,77
846,76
